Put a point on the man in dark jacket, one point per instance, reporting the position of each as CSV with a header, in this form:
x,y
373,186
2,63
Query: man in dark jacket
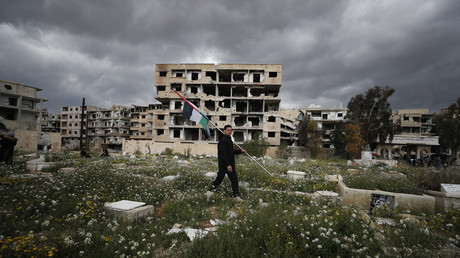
x,y
226,160
7,150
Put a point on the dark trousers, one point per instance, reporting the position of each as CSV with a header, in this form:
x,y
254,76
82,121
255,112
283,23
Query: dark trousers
x,y
220,177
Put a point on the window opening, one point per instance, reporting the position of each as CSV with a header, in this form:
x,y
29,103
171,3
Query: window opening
x,y
163,73
212,75
271,134
272,74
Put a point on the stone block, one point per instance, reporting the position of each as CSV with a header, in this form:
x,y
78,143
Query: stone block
x,y
67,170
333,178
296,175
128,209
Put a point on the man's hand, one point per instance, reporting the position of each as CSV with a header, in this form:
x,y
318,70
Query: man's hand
x,y
229,169
244,151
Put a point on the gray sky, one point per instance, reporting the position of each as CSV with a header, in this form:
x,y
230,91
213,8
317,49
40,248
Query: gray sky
x,y
106,50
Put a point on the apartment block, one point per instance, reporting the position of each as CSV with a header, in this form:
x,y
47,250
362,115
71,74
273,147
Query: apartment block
x,y
71,119
20,107
108,127
246,96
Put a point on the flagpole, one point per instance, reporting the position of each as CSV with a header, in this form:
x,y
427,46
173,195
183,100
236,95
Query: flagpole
x,y
193,106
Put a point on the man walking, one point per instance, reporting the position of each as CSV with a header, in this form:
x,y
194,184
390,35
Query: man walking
x,y
226,161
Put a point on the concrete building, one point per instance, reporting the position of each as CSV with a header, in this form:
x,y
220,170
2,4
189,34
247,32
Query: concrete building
x,y
21,111
327,119
108,127
247,96
71,119
20,107
416,141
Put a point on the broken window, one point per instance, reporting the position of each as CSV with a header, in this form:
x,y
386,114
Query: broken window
x,y
271,119
178,73
191,134
271,134
210,104
272,74
316,114
195,102
238,77
256,106
195,76
209,89
224,90
8,87
163,73
256,77
240,120
238,136
325,116
160,131
161,117
192,89
176,133
224,103
177,104
12,101
225,76
239,92
176,86
254,121
161,88
241,106
340,115
256,92
222,118
211,74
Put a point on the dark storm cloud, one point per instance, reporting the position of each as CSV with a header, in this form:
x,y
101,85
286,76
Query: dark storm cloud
x,y
330,50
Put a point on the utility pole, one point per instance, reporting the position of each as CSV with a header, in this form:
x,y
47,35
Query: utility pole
x,y
83,107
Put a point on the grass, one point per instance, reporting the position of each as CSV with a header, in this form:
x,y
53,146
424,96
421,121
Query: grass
x,y
62,214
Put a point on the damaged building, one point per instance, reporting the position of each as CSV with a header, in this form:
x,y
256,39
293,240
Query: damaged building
x,y
102,128
417,139
246,96
21,111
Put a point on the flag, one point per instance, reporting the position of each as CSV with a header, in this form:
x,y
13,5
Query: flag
x,y
191,112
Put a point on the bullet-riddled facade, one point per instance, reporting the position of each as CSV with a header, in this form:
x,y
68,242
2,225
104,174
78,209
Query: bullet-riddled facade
x,y
246,96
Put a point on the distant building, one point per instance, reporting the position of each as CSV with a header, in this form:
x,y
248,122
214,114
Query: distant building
x,y
108,127
71,119
50,122
416,141
326,118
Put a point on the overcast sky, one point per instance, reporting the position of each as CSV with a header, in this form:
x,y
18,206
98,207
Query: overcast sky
x,y
106,50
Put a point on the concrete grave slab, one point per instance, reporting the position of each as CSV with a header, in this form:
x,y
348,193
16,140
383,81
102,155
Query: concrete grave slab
x,y
124,205
296,175
128,209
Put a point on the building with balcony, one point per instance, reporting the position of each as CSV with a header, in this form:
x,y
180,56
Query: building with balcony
x,y
246,96
20,107
108,127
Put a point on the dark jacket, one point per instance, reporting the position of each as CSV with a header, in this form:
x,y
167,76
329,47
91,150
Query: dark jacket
x,y
8,142
226,152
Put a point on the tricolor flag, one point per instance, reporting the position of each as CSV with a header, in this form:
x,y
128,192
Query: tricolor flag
x,y
191,112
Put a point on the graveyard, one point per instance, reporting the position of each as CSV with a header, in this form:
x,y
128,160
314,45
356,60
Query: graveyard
x,y
59,204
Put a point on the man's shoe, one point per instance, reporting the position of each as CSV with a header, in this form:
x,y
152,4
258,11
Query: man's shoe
x,y
238,199
209,194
